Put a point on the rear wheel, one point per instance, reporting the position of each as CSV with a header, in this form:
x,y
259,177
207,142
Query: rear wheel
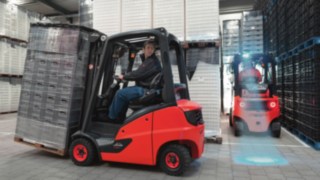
x,y
276,129
174,159
82,152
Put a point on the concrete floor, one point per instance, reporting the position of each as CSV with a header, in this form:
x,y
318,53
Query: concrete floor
x,y
253,156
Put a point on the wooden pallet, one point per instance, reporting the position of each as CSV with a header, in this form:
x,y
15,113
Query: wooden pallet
x,y
9,112
13,39
10,75
60,152
213,139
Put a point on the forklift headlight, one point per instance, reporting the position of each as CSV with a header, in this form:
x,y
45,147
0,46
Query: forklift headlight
x,y
242,104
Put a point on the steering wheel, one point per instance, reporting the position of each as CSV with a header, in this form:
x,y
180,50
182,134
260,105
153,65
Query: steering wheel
x,y
117,78
118,81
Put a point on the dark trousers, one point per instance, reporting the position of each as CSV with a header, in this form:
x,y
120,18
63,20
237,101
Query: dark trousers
x,y
122,99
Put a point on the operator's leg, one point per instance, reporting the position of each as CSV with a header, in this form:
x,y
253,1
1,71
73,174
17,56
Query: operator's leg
x,y
122,99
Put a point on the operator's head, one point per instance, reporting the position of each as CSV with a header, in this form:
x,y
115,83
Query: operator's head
x,y
148,48
247,65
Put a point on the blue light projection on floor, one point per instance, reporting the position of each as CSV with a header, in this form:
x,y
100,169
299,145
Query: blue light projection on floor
x,y
258,151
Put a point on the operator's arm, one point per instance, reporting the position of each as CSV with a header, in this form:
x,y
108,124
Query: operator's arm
x,y
258,75
146,69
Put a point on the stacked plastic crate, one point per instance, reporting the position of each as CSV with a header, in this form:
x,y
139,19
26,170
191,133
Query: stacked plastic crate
x,y
53,83
279,87
231,37
252,32
289,92
307,91
299,54
230,47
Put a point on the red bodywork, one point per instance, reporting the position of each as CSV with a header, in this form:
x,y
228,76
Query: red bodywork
x,y
256,110
152,131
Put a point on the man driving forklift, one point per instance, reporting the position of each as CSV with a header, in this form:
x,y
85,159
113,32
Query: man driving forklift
x,y
249,73
143,76
169,134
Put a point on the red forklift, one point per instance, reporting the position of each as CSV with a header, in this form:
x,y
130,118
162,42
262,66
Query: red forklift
x,y
255,106
161,129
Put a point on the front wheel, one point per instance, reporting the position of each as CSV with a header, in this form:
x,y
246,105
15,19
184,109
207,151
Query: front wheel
x,y
238,128
175,159
82,152
230,118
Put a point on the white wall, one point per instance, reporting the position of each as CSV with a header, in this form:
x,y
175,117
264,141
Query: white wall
x,y
187,19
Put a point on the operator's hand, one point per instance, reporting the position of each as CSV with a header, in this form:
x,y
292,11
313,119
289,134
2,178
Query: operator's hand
x,y
120,76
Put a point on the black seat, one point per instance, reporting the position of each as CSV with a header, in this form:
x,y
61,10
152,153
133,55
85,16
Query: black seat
x,y
151,96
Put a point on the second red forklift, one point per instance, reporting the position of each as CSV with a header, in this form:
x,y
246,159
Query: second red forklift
x,y
255,105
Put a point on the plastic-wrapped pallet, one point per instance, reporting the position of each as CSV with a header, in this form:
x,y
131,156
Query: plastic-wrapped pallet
x,y
5,56
12,56
205,84
5,92
108,22
86,13
15,21
169,14
53,83
22,58
6,21
13,12
15,84
136,15
2,20
9,24
3,48
202,20
23,25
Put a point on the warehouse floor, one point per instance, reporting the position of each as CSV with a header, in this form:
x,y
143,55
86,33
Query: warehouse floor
x,y
252,156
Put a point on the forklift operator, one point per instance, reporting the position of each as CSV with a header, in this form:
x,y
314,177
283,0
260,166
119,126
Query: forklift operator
x,y
143,76
249,73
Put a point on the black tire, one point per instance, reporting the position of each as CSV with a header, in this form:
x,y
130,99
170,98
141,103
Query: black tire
x,y
276,129
230,118
175,159
82,152
238,128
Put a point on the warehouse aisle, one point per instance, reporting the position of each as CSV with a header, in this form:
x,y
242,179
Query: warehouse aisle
x,y
248,157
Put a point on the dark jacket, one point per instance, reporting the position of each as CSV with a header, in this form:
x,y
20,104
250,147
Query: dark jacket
x,y
143,76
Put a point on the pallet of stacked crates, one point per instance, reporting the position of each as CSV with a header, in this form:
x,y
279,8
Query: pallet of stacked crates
x,y
53,85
